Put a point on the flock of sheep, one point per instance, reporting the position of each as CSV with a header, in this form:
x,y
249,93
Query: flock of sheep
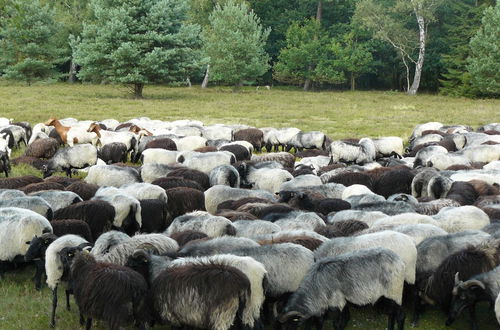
x,y
206,234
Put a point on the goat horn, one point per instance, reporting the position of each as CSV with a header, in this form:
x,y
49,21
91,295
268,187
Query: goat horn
x,y
457,280
149,247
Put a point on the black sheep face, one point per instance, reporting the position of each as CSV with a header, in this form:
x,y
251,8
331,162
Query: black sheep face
x,y
38,246
67,255
291,320
139,261
465,294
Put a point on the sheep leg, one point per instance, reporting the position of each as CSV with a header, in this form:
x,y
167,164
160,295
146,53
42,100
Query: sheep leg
x,y
68,292
39,267
88,325
54,306
345,316
418,308
472,313
82,319
318,322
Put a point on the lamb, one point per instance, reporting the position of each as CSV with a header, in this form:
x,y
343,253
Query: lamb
x,y
65,159
462,192
204,222
481,287
18,226
350,178
127,209
111,175
215,306
424,155
162,143
108,292
434,206
32,203
307,140
361,278
99,215
219,193
119,252
58,199
42,148
225,175
361,153
182,200
55,271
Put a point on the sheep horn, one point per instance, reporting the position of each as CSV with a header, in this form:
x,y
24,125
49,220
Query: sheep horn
x,y
457,280
469,283
148,247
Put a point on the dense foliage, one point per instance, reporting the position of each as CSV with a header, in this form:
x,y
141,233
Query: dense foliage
x,y
316,44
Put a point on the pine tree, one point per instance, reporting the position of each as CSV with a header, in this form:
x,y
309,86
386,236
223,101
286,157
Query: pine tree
x,y
484,62
30,47
138,42
234,41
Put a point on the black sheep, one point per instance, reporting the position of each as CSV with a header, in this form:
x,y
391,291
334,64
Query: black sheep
x,y
62,227
4,163
183,200
62,180
108,292
154,214
31,161
99,215
350,178
308,242
34,187
253,135
342,228
304,201
184,237
176,182
197,176
462,192
394,182
85,190
18,182
163,143
36,253
236,204
113,153
240,152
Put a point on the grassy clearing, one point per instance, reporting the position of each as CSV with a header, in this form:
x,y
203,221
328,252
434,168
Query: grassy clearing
x,y
339,114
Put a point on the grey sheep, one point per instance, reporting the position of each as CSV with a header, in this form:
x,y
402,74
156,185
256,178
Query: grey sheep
x,y
33,203
204,222
111,175
218,245
58,199
219,193
66,159
225,175
360,278
359,153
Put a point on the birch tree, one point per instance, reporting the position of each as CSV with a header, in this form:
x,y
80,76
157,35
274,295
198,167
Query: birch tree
x,y
390,24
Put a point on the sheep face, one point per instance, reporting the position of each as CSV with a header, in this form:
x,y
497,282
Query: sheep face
x,y
465,294
38,246
292,320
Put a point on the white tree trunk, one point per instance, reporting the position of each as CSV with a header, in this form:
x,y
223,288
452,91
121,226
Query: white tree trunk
x,y
421,52
204,84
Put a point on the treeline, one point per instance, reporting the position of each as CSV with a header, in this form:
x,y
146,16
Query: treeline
x,y
446,46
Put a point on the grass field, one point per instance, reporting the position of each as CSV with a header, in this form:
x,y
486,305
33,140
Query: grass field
x,y
339,114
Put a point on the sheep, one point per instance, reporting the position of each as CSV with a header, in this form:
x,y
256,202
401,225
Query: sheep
x,y
119,252
301,181
63,227
64,181
42,148
205,162
41,186
350,178
251,228
284,158
5,163
159,156
355,189
225,175
143,190
481,287
176,182
278,137
151,172
99,215
190,174
438,186
424,155
127,208
11,193
404,219
334,282
17,135
252,135
308,242
108,292
219,193
190,143
182,200
467,263
18,226
218,245
58,199
182,295
111,175
215,132
65,159
401,244
462,192
342,228
240,152
18,182
269,179
184,237
307,140
361,153
388,146
393,182
303,201
36,253
457,219
54,268
154,215
113,153
85,190
32,203
434,206
368,217
106,137
204,222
